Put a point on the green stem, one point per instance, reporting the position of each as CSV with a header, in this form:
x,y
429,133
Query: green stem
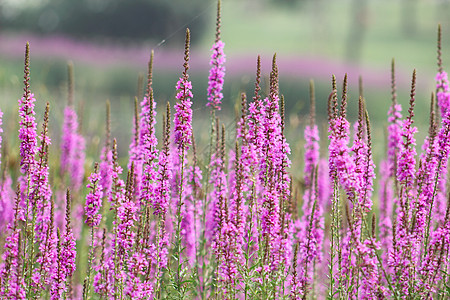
x,y
90,258
178,248
427,229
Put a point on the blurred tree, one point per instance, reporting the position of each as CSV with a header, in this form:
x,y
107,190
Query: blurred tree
x,y
131,19
287,3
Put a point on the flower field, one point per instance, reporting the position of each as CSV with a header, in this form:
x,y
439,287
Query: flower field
x,y
230,222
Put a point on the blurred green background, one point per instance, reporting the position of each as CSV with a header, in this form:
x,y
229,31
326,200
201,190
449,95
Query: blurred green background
x,y
109,42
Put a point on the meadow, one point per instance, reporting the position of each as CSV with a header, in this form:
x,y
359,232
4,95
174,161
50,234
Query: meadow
x,y
224,209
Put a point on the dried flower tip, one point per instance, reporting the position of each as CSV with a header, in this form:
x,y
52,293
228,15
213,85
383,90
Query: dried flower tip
x,y
68,202
439,49
258,79
360,86
167,127
361,113
369,135
130,185
374,224
294,263
344,96
237,151
45,123
393,84
183,110
26,77
150,74
115,155
332,100
186,53
217,71
432,114
413,93
243,105
218,20
222,145
274,88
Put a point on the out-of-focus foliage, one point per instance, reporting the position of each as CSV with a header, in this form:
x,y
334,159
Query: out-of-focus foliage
x,y
287,3
131,20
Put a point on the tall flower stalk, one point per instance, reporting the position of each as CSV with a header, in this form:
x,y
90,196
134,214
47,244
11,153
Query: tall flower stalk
x,y
217,71
72,142
182,138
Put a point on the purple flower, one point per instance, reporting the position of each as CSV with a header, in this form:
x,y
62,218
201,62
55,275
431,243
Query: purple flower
x,y
442,91
216,75
364,168
12,282
341,164
183,111
218,198
388,171
406,172
27,132
191,223
40,194
1,131
274,179
135,288
434,260
227,226
72,149
406,161
163,193
126,217
105,170
394,137
126,213
183,114
311,152
77,168
69,131
311,225
94,200
386,193
371,285
69,252
147,138
6,203
72,160
6,193
148,150
104,279
67,256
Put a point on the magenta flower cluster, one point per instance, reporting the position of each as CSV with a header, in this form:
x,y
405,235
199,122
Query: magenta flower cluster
x,y
93,200
183,114
234,221
216,75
